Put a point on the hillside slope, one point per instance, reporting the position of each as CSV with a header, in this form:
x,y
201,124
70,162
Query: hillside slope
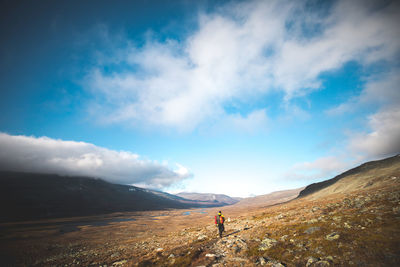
x,y
25,196
271,198
369,174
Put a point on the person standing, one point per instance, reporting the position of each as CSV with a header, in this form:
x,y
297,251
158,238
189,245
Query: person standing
x,y
219,221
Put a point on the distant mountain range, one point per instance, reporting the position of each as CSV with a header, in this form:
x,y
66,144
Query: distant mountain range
x,y
29,196
209,198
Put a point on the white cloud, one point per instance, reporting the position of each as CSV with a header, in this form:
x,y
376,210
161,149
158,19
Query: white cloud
x,y
384,137
239,52
381,140
324,167
46,155
378,91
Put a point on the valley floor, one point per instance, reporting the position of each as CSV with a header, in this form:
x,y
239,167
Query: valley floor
x,y
360,228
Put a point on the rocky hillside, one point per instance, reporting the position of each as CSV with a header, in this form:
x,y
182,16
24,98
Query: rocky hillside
x,y
219,199
351,223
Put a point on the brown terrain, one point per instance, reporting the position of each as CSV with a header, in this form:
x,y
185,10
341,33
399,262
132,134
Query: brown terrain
x,y
352,221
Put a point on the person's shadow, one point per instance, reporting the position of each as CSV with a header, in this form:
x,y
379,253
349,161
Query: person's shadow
x,y
235,232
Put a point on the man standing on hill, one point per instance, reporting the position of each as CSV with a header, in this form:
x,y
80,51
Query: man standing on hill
x,y
219,221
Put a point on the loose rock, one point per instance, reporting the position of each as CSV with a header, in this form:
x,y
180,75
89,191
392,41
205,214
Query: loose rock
x,y
267,243
312,230
332,236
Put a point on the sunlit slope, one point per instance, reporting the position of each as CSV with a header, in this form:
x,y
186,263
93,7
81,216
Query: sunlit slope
x,y
371,174
271,198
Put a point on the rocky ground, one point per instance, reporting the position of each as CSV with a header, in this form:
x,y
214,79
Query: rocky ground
x,y
359,228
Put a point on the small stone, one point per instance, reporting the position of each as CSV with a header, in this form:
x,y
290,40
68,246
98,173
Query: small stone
x,y
262,261
171,256
312,230
267,243
346,225
310,261
314,209
332,236
119,262
159,249
322,264
202,237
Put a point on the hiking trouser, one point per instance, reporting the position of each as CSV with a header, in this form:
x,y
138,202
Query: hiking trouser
x,y
221,228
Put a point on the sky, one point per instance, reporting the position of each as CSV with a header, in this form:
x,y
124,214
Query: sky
x,y
233,97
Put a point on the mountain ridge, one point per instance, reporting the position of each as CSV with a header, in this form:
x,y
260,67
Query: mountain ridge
x,y
367,170
31,196
209,197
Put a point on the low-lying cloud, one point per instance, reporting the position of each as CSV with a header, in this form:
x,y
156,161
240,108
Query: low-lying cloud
x,y
46,155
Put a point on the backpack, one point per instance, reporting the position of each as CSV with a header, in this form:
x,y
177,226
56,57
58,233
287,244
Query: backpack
x,y
219,219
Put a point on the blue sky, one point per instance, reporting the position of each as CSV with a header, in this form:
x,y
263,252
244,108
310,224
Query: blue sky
x,y
234,97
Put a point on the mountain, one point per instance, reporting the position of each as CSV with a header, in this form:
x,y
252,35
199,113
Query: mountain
x,y
27,196
219,199
192,202
370,174
271,198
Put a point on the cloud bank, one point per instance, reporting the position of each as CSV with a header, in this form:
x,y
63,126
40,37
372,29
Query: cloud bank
x,y
238,53
46,155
